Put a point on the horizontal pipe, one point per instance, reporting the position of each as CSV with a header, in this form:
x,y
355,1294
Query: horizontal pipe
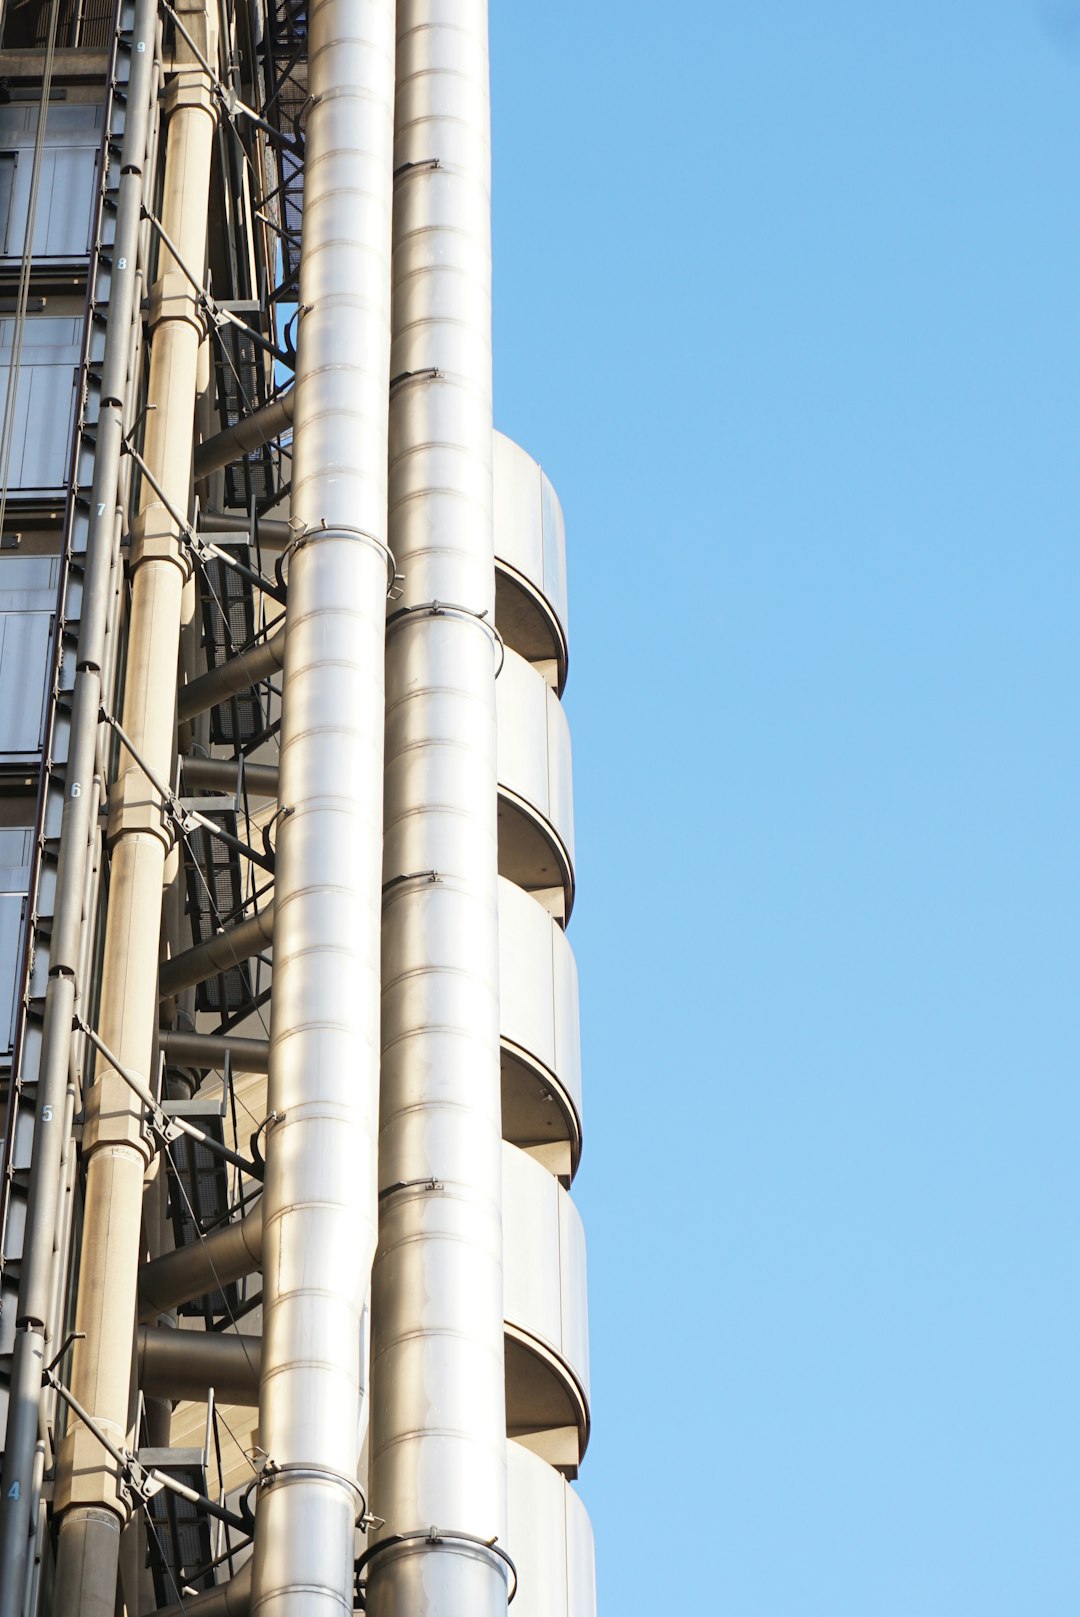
x,y
212,1049
187,1364
222,775
255,430
219,953
232,678
232,1599
226,1255
273,530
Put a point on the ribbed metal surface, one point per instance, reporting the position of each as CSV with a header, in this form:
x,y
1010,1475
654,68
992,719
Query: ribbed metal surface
x,y
319,1202
438,1418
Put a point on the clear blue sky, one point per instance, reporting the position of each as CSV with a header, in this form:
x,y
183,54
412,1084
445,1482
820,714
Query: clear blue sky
x,y
788,304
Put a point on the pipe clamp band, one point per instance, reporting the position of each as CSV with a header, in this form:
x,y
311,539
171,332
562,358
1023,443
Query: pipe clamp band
x,y
272,1472
303,535
439,1535
452,609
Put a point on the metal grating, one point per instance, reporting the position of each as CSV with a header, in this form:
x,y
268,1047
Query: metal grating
x,y
178,1536
199,1183
241,368
287,98
229,625
215,896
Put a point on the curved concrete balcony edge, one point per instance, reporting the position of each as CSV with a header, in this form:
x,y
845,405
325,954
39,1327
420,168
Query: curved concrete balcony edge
x,y
545,1308
536,813
539,1026
550,1537
530,556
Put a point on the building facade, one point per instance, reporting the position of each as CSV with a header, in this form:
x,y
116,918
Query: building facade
x,y
292,1288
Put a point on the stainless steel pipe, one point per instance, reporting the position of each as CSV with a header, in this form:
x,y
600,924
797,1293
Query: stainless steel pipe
x,y
223,1256
220,953
261,427
438,1418
222,775
232,1599
187,1364
231,678
272,530
213,1049
320,1188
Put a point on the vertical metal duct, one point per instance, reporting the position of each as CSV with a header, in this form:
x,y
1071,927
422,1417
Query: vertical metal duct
x,y
319,1202
438,1418
37,1278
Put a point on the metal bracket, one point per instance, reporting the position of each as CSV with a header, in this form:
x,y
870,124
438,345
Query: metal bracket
x,y
410,875
271,1472
141,1482
264,1127
230,102
165,1127
427,163
304,534
440,609
202,549
410,1184
430,373
176,809
216,314
440,1535
138,1484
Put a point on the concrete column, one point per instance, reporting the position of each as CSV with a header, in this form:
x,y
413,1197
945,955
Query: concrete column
x,y
88,1500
